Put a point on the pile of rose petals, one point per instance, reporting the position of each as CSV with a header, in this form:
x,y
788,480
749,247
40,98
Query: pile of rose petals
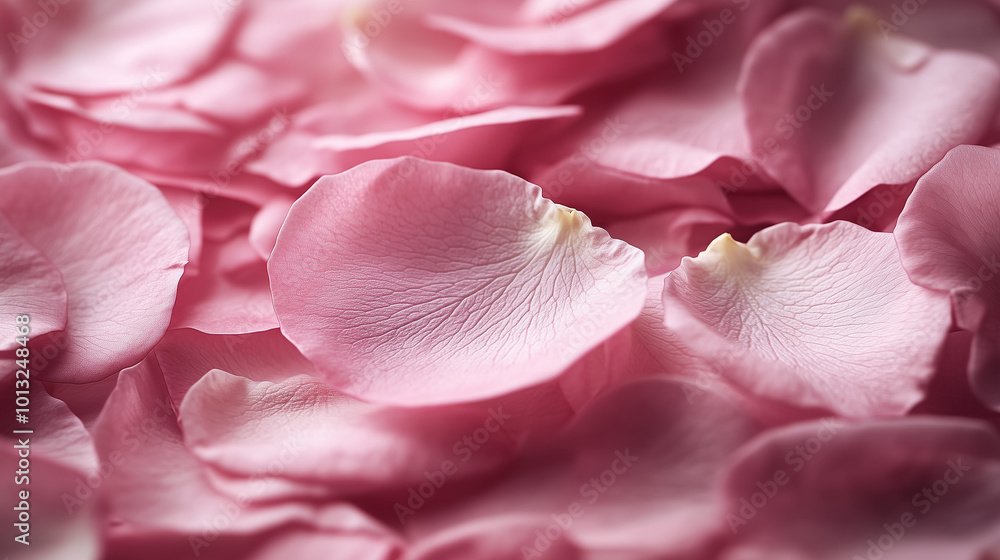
x,y
503,279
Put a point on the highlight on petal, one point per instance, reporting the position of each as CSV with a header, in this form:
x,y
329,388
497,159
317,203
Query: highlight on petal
x,y
836,109
419,283
949,239
120,249
814,316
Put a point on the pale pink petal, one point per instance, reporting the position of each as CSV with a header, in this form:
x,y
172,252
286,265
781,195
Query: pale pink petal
x,y
334,137
266,224
421,65
595,27
812,316
845,109
671,126
189,210
949,239
120,249
156,484
419,282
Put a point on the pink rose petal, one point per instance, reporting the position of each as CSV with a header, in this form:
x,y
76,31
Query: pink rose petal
x,y
949,240
840,490
120,249
29,285
814,316
418,282
837,109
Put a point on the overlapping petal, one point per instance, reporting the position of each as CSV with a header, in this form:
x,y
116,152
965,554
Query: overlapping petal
x,y
815,316
915,488
416,282
835,109
949,240
120,250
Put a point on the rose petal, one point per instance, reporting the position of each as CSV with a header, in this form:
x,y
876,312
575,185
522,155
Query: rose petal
x,y
838,109
814,316
113,46
948,240
636,472
29,285
840,490
120,249
472,282
236,425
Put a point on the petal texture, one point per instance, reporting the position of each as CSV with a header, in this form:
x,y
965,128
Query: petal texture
x,y
816,316
418,282
120,249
